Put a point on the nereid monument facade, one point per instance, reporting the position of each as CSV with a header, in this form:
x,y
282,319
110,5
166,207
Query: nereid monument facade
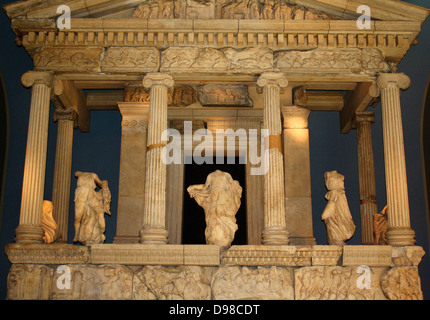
x,y
258,68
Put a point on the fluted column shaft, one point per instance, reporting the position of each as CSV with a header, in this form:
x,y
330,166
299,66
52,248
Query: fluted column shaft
x,y
30,219
366,174
154,216
275,230
66,119
399,231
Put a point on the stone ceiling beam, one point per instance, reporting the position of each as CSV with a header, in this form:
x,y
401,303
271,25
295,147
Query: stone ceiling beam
x,y
74,98
357,101
316,101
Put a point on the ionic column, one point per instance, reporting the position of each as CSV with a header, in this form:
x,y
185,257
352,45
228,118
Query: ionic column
x,y
399,231
298,198
154,214
30,219
66,119
131,188
366,174
275,229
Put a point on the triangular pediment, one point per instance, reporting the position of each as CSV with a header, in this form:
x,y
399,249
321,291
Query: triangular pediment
x,y
224,9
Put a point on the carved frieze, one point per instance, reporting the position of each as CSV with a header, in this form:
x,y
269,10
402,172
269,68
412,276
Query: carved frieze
x,y
191,272
345,60
224,95
47,253
89,282
29,282
180,96
178,59
333,283
162,283
225,9
267,256
130,59
76,59
262,283
191,59
402,283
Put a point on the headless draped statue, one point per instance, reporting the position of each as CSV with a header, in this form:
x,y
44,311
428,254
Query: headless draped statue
x,y
336,215
90,207
220,198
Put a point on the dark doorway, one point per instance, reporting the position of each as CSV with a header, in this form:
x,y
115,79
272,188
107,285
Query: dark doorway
x,y
193,225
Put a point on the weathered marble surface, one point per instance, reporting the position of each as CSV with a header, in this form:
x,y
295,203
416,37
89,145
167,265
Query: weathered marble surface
x,y
324,277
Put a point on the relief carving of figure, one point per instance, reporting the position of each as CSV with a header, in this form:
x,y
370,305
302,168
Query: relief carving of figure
x,y
90,207
220,199
154,9
234,9
142,11
336,215
282,12
224,9
253,10
167,12
267,13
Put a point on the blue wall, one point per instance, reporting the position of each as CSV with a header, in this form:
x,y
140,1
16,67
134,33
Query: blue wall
x,y
99,150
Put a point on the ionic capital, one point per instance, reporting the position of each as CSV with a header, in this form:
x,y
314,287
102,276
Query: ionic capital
x,y
65,114
400,80
48,79
153,79
365,116
272,78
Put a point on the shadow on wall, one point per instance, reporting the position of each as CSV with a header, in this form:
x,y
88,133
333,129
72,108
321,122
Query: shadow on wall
x,y
425,145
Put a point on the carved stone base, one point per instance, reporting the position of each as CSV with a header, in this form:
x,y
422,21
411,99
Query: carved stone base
x,y
153,236
187,272
275,236
29,234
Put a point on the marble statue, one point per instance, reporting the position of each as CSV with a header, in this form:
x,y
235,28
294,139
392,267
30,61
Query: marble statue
x,y
90,207
49,225
380,227
336,215
220,199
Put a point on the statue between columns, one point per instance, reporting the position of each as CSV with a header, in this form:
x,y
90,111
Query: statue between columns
x,y
220,198
90,207
336,215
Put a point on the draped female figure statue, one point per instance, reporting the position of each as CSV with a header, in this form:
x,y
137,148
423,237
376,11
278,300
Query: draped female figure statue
x,y
90,207
220,199
336,215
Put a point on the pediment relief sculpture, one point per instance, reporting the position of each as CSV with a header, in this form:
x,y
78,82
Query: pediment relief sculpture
x,y
225,9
